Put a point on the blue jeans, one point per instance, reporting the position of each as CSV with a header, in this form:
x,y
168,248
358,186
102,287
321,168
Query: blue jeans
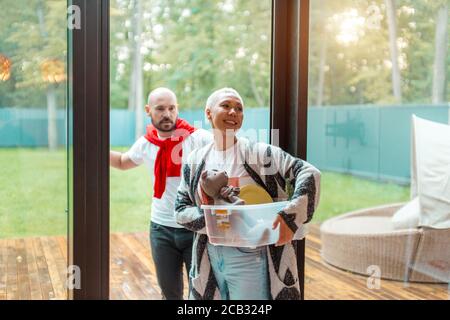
x,y
241,273
171,248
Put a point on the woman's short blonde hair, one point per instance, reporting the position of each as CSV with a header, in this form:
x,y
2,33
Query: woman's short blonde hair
x,y
214,98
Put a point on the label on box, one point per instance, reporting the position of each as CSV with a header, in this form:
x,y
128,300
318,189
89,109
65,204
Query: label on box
x,y
222,220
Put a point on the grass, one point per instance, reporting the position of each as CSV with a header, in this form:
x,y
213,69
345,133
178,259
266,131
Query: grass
x,y
33,195
130,199
343,193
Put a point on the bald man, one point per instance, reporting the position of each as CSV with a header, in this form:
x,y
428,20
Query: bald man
x,y
167,143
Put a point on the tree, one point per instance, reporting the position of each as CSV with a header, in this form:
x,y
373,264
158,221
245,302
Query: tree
x,y
120,51
136,97
48,70
392,23
196,46
133,43
347,53
203,45
37,43
440,56
356,66
321,15
12,92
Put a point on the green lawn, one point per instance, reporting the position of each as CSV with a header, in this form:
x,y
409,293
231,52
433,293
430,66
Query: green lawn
x,y
342,193
33,195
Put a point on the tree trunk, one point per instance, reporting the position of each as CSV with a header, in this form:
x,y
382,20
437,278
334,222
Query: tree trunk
x,y
51,90
52,128
132,46
256,95
392,23
321,78
136,101
440,57
132,90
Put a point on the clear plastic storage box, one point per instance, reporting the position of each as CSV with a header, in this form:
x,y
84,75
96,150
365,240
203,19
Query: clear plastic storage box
x,y
242,226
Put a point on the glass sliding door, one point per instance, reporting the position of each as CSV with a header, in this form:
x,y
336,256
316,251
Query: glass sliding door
x,y
193,48
373,65
33,154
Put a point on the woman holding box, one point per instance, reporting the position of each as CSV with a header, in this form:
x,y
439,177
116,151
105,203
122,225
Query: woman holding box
x,y
232,273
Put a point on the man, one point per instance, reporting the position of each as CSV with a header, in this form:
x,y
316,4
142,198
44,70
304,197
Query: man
x,y
168,141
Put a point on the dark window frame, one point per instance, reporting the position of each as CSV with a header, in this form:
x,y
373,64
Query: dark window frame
x,y
90,80
89,74
289,86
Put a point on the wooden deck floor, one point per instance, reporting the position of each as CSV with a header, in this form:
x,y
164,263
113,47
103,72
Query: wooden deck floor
x,y
34,268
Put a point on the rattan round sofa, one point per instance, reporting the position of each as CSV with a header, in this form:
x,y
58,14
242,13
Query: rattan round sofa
x,y
365,240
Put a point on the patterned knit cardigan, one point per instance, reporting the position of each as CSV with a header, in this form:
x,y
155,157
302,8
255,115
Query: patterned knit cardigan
x,y
273,169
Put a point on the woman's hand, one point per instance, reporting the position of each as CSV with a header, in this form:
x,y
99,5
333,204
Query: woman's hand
x,y
226,192
286,233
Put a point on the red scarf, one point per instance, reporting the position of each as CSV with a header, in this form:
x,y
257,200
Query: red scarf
x,y
167,165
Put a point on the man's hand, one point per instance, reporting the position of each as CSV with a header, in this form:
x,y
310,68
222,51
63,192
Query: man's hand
x,y
286,233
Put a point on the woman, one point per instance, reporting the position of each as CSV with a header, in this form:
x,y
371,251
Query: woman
x,y
268,272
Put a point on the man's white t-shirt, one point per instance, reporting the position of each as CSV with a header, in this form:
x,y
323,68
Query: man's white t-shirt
x,y
163,210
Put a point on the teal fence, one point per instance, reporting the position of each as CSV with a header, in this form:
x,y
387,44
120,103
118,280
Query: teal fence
x,y
369,141
28,127
123,124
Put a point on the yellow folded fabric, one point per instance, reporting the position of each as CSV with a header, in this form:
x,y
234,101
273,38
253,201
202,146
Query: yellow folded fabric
x,y
253,194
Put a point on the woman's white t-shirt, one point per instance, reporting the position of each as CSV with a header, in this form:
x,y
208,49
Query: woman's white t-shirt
x,y
229,160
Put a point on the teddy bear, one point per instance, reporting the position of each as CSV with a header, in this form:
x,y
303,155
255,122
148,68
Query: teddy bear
x,y
214,184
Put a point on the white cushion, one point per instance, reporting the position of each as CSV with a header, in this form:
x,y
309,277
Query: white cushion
x,y
431,172
407,217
